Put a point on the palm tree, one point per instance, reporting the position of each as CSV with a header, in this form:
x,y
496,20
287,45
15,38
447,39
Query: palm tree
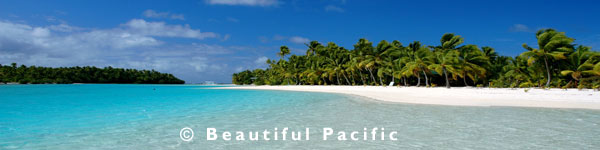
x,y
295,66
354,65
418,63
332,64
495,64
392,56
490,53
446,56
514,72
578,64
366,55
313,47
595,70
369,63
283,50
471,63
552,45
450,41
446,62
336,57
382,55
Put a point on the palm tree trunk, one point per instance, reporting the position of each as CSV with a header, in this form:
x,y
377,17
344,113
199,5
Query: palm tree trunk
x,y
337,76
361,77
426,79
372,77
446,75
465,79
352,79
380,81
404,79
345,77
418,80
547,71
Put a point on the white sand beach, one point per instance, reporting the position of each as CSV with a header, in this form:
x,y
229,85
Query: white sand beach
x,y
459,96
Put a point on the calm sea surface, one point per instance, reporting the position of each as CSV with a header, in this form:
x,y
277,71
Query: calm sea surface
x,y
151,117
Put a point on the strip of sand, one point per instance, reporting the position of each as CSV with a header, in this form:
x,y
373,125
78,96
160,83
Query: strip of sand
x,y
552,98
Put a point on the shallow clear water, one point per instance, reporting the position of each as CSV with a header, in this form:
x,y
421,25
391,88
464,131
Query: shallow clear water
x,y
138,117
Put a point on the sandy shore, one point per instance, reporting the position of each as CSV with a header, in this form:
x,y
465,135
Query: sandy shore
x,y
553,98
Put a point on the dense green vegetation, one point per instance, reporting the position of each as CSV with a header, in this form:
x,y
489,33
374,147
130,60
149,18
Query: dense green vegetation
x,y
41,75
557,62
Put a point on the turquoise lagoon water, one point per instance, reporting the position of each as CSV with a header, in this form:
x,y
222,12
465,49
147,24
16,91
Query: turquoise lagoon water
x,y
139,117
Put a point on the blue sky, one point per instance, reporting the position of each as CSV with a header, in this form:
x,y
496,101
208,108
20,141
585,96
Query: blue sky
x,y
208,40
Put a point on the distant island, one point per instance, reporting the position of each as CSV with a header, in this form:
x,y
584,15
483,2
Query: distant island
x,y
88,74
555,62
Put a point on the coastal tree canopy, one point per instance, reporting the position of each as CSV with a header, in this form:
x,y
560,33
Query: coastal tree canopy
x,y
40,75
556,62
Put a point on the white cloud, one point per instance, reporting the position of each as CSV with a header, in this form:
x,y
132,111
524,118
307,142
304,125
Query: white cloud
x,y
333,8
143,27
262,3
177,16
226,37
299,40
40,32
279,37
153,14
239,69
63,27
133,44
261,60
293,39
520,28
198,63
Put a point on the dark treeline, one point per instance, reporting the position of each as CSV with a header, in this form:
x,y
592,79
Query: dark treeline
x,y
557,63
64,75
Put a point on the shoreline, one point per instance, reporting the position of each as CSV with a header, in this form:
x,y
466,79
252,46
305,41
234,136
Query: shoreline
x,y
457,96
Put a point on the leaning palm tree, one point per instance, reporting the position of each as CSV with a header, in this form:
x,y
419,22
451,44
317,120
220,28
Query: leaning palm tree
x,y
354,66
418,63
369,64
336,58
552,45
392,59
383,54
446,62
471,63
367,57
446,56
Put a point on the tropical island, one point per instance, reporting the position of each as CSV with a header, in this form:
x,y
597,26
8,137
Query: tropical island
x,y
538,77
88,74
557,62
